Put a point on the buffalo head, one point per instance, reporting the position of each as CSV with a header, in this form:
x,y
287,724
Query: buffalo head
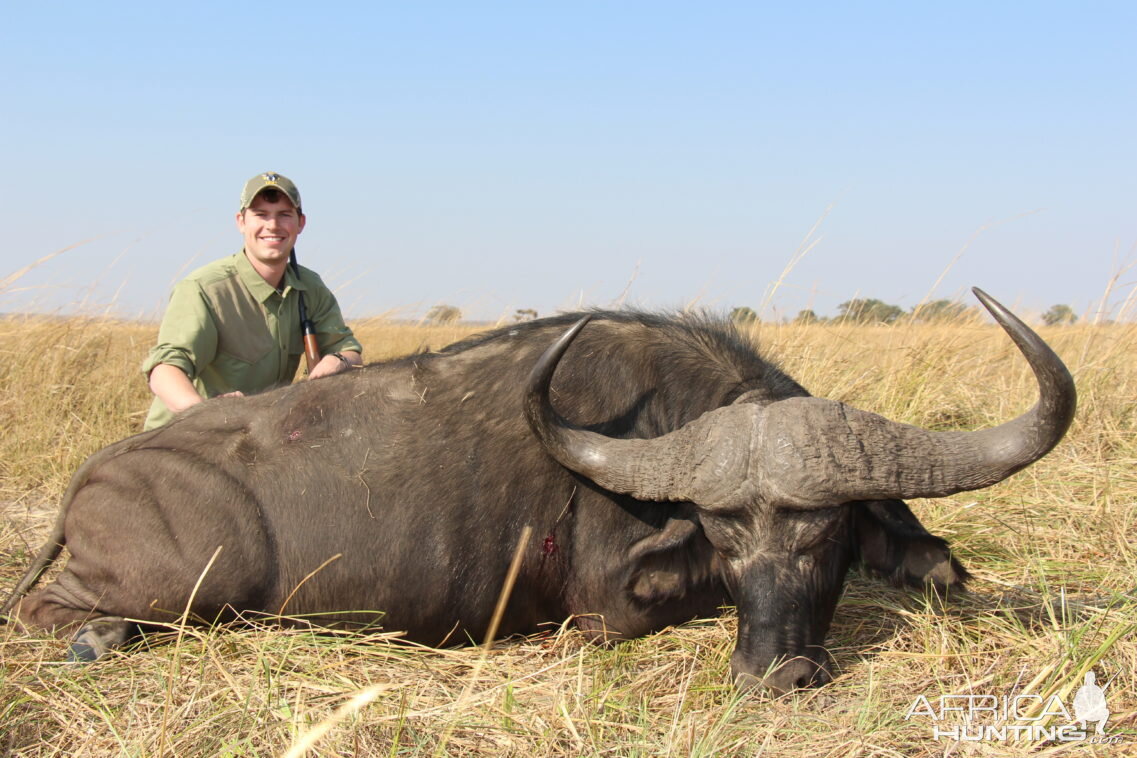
x,y
772,486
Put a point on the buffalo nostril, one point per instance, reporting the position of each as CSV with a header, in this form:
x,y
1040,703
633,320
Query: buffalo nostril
x,y
797,674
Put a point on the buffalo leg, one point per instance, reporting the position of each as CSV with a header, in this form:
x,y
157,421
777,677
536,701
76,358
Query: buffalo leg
x,y
64,605
892,542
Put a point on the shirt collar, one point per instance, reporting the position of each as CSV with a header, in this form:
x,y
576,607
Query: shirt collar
x,y
259,288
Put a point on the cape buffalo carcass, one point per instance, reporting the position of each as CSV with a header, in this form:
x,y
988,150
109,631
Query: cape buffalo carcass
x,y
664,467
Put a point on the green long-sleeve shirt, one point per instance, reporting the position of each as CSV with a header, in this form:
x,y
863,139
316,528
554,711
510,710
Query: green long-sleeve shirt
x,y
228,329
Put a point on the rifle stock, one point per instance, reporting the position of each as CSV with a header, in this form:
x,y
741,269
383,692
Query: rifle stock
x,y
307,328
311,348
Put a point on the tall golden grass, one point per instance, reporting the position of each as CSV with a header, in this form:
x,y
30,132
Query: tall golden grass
x,y
1052,550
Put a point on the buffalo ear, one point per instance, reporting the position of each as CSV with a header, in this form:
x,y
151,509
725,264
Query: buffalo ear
x,y
668,564
892,542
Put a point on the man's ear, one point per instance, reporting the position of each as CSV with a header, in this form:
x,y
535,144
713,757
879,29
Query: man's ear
x,y
241,221
303,221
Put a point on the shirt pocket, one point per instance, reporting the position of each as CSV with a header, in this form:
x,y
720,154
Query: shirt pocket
x,y
243,331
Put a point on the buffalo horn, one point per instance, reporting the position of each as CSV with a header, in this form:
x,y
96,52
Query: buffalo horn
x,y
807,452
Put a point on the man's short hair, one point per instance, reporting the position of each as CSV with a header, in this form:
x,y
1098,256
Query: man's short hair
x,y
271,195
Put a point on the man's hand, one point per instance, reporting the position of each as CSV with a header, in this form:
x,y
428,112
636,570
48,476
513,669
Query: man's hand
x,y
332,364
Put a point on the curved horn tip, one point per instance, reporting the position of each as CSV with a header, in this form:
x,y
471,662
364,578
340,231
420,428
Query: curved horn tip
x,y
541,375
990,303
554,352
562,343
1002,315
576,327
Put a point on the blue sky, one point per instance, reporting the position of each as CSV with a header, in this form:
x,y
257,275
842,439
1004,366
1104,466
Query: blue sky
x,y
496,156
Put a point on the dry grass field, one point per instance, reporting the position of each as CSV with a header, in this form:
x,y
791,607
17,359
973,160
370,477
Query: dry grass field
x,y
1052,550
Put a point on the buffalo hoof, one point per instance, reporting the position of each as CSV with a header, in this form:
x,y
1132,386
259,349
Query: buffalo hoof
x,y
95,639
82,651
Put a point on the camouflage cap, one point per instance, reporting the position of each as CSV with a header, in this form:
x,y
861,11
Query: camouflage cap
x,y
269,180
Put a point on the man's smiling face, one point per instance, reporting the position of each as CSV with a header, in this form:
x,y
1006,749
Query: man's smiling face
x,y
270,230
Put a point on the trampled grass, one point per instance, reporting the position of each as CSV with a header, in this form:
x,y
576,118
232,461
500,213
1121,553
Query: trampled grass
x,y
1052,550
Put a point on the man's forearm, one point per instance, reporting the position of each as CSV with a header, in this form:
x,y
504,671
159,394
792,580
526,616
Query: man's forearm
x,y
173,387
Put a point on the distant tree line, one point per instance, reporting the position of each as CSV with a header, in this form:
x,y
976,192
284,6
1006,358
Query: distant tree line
x,y
865,310
448,314
869,310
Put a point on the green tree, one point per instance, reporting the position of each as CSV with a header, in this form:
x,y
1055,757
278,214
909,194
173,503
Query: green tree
x,y
806,316
1058,315
443,314
743,315
869,311
942,310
